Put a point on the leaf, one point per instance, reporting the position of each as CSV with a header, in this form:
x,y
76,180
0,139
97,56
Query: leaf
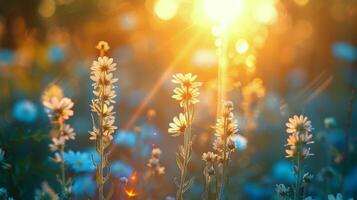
x,y
179,162
182,151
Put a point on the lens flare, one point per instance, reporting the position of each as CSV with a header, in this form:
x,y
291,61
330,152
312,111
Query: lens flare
x,y
223,11
131,192
166,9
242,46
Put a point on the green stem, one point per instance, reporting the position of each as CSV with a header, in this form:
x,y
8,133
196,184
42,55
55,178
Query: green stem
x,y
298,174
187,137
101,148
223,180
63,171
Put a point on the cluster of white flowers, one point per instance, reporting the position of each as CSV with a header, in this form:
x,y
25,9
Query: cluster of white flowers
x,y
187,95
299,128
215,171
59,109
225,129
104,91
102,132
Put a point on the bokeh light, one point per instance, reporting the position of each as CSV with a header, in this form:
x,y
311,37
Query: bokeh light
x,y
166,9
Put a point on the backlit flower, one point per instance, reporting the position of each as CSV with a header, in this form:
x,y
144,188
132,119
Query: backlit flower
x,y
186,80
68,132
59,109
300,137
186,96
103,65
282,190
102,46
101,79
52,91
298,124
178,126
57,143
209,157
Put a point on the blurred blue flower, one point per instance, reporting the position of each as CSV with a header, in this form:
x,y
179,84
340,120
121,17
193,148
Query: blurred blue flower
x,y
283,172
125,138
145,150
120,169
84,185
6,56
79,161
344,51
55,53
25,111
255,192
149,131
240,142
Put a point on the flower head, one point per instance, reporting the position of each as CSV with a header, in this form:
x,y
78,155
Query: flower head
x,y
186,96
103,65
298,124
68,132
282,190
79,161
210,157
59,109
178,126
186,80
102,46
57,143
52,91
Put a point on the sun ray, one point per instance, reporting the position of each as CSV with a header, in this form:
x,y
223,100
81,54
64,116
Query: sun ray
x,y
158,84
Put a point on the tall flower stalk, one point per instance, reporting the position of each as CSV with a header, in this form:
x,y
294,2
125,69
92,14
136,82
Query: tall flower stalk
x,y
299,129
216,168
186,93
102,132
59,109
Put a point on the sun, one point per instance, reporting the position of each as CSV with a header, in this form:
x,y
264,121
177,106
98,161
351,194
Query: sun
x,y
218,11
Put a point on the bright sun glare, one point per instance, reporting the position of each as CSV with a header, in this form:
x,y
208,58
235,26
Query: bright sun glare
x,y
223,11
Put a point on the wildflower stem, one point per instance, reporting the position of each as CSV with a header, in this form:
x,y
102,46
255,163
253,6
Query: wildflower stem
x,y
298,174
101,148
224,158
187,147
63,171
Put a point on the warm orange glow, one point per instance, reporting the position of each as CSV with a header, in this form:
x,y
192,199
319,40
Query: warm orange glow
x,y
133,177
130,192
223,11
265,12
242,46
166,9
